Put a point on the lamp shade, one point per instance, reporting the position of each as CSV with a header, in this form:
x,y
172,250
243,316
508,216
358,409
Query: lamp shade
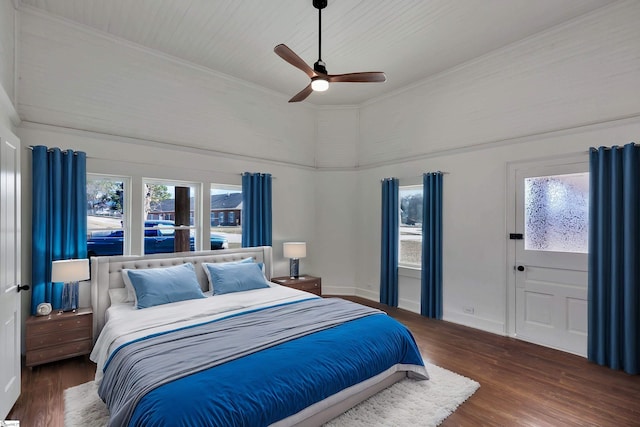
x,y
294,249
70,270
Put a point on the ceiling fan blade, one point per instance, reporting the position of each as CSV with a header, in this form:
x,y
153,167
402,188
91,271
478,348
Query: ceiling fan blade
x,y
290,56
302,95
366,77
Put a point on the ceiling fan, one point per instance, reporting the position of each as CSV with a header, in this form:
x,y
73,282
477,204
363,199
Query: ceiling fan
x,y
320,79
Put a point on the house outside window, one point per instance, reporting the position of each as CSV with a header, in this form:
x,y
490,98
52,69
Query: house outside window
x,y
410,247
107,215
161,208
226,213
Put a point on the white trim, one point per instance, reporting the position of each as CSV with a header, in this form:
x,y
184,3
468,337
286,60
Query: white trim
x,y
476,322
409,305
408,271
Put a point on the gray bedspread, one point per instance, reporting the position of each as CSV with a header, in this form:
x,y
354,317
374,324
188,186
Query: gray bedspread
x,y
143,365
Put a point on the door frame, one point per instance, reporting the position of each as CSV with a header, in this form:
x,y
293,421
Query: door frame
x,y
510,215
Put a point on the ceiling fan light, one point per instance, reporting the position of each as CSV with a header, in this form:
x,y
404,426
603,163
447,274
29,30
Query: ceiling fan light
x,y
319,84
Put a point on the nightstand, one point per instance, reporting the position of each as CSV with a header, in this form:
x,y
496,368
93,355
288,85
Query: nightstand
x,y
58,336
304,283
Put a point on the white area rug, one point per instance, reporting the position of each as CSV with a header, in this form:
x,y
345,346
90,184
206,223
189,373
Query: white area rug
x,y
406,403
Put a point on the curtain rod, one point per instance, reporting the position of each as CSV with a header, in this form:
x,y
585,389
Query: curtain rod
x,y
250,173
30,147
415,176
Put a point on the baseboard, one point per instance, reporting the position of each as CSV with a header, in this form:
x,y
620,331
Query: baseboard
x,y
476,322
338,290
459,318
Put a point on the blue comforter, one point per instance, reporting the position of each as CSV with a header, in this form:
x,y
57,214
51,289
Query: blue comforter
x,y
268,383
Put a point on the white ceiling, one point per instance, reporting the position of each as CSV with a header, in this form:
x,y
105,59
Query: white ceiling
x,y
409,40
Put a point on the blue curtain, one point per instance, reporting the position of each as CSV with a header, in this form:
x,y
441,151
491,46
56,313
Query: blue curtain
x,y
431,289
256,209
614,251
390,242
59,217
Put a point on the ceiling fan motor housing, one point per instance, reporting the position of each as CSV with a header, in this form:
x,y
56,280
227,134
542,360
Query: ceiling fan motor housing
x,y
319,4
320,67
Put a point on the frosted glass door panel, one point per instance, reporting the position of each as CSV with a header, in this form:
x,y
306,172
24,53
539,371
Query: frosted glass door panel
x,y
556,213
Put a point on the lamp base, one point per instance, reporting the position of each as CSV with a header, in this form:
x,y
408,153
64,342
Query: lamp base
x,y
70,296
293,268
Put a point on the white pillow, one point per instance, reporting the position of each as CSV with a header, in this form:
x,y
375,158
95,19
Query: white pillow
x,y
131,293
119,296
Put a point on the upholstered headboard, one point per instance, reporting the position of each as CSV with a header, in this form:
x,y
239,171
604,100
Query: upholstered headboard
x,y
106,272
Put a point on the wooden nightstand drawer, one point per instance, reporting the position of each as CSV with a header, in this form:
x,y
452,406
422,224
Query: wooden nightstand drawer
x,y
58,323
58,336
61,337
58,352
304,283
308,286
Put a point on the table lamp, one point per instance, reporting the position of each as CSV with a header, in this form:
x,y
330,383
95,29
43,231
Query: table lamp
x,y
294,251
70,271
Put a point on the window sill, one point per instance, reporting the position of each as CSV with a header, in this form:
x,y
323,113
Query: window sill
x,y
413,272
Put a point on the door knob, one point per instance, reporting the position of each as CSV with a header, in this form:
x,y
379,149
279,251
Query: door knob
x,y
23,288
520,268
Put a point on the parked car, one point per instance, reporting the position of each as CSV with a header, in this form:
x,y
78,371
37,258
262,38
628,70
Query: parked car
x,y
157,240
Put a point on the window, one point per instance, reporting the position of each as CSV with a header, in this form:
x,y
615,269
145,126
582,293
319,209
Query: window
x,y
170,217
410,252
106,215
557,213
226,213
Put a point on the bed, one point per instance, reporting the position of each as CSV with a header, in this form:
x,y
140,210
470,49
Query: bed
x,y
238,351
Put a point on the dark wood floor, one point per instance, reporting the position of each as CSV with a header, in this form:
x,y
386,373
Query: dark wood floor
x,y
521,384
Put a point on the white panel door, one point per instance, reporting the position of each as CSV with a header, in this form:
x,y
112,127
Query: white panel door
x,y
9,275
551,259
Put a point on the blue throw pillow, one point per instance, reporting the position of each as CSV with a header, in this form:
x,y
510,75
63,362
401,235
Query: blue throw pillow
x,y
236,277
205,266
156,286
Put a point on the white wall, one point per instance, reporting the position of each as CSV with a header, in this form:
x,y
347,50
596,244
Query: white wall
x,y
334,247
469,122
